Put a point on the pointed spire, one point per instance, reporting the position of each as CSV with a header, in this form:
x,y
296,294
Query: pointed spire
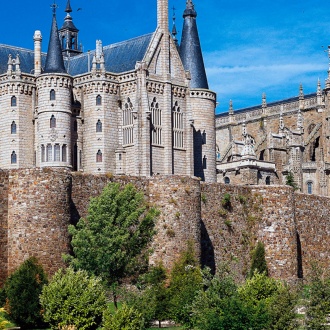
x,y
68,8
319,89
190,49
174,30
231,108
301,92
264,100
54,60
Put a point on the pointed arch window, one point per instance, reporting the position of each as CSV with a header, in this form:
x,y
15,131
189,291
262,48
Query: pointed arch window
x,y
99,156
13,128
156,123
13,157
268,180
13,101
99,126
99,100
204,137
218,153
227,180
128,126
178,132
52,122
52,95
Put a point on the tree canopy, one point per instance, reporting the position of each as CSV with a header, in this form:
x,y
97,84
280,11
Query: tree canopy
x,y
117,229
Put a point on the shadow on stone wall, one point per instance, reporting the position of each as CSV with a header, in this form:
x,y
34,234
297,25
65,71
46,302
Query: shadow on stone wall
x,y
207,255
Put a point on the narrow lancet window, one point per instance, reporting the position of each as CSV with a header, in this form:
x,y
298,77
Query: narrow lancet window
x,y
52,122
99,156
99,126
13,128
13,157
52,95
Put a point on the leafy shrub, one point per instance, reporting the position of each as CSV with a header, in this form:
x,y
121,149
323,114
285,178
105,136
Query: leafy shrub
x,y
3,322
22,290
258,262
226,201
125,318
73,299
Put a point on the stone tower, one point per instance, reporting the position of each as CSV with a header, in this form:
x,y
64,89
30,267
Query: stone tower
x,y
53,115
69,35
202,100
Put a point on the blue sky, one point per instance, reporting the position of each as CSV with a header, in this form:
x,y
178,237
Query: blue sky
x,y
249,47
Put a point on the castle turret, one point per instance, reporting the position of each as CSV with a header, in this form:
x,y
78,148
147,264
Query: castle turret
x,y
53,113
69,34
202,100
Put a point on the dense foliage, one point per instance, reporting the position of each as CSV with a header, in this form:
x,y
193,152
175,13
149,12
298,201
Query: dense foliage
x,y
125,318
109,242
318,308
22,290
73,299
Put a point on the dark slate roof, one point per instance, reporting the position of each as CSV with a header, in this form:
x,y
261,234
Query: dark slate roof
x,y
190,49
26,57
54,61
271,104
119,57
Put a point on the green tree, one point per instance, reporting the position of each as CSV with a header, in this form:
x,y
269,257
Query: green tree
x,y
125,318
73,299
152,300
109,242
290,181
185,281
220,307
22,289
258,262
318,308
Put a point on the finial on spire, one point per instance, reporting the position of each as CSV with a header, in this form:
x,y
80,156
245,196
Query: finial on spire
x,y
68,8
319,89
54,6
190,5
190,9
174,31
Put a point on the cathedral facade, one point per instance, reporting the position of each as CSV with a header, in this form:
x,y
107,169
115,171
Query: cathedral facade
x,y
278,142
138,107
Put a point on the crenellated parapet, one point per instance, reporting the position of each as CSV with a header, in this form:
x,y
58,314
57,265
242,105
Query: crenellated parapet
x,y
54,80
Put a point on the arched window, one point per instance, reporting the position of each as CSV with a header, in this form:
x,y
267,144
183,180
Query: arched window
x,y
156,123
227,180
99,100
13,157
268,180
49,150
218,152
99,126
57,153
52,95
309,187
99,156
52,121
13,128
128,123
42,153
178,130
13,101
64,156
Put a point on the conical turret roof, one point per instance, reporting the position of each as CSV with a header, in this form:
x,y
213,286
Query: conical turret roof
x,y
54,60
190,49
